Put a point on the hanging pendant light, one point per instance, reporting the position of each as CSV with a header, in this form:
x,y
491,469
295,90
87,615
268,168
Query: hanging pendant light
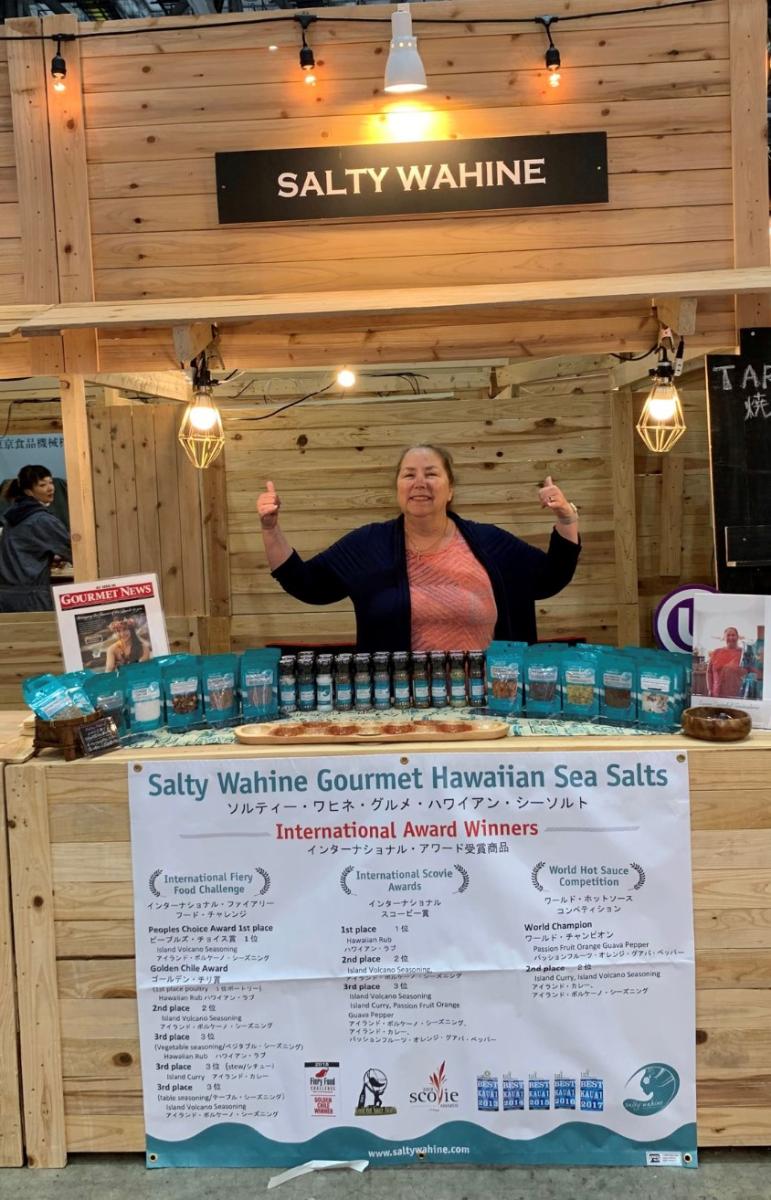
x,y
661,422
201,434
404,70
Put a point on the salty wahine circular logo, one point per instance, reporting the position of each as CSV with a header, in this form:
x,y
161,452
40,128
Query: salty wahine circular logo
x,y
659,1084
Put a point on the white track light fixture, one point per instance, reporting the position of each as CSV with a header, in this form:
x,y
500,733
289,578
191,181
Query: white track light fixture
x,y
201,434
404,71
661,422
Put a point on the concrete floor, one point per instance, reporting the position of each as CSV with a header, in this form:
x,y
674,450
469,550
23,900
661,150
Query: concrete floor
x,y
722,1175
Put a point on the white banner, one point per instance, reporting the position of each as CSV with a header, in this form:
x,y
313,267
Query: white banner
x,y
460,957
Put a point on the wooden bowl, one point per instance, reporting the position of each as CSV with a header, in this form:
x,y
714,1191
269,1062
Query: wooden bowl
x,y
717,724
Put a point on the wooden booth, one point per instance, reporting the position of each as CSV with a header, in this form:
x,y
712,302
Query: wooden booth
x,y
497,333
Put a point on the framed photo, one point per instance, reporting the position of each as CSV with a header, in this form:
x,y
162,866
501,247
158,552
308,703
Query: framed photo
x,y
729,633
111,622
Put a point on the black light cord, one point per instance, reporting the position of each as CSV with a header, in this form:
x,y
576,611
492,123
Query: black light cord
x,y
292,403
262,20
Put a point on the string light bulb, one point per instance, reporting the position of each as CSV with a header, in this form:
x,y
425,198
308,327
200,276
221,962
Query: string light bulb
x,y
346,377
59,68
552,57
307,57
201,434
661,422
404,69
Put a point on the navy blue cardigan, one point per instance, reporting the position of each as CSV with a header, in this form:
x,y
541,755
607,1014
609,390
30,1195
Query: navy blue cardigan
x,y
370,565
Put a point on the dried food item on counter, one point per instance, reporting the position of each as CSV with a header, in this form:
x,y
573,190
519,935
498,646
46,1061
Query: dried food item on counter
x,y
421,681
324,698
397,728
618,688
106,692
182,691
259,684
542,681
580,690
381,673
401,679
458,689
341,730
505,676
660,692
144,695
57,697
287,684
362,682
306,681
344,682
476,678
452,726
219,673
439,693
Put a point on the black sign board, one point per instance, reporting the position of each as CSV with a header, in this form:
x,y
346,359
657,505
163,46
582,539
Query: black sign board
x,y
739,390
98,737
412,178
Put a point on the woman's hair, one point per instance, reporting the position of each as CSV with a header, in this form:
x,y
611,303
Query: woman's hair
x,y
27,478
439,451
128,626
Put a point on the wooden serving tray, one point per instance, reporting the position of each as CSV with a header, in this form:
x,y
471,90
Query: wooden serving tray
x,y
282,733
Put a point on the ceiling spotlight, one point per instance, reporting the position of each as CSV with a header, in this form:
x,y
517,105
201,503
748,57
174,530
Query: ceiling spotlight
x,y
404,70
346,377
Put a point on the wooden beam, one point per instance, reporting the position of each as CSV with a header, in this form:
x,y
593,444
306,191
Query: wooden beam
x,y
624,516
115,399
27,73
671,515
80,484
455,301
749,149
679,313
189,340
216,550
166,385
11,1152
630,373
574,366
66,124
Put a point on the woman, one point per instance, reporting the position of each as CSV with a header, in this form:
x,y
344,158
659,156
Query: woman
x,y
724,672
430,580
128,646
32,538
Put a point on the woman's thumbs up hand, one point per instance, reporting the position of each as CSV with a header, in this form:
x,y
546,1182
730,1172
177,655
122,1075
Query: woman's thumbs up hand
x,y
268,505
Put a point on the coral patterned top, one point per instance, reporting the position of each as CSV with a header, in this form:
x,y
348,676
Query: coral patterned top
x,y
453,606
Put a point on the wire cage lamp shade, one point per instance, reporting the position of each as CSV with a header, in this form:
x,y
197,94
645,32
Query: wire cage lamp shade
x,y
661,422
201,434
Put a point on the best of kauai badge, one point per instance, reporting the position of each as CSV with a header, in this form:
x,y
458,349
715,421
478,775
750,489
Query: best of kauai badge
x,y
370,1102
322,1084
658,1083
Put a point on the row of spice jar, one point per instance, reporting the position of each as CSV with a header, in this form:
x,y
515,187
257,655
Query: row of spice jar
x,y
323,682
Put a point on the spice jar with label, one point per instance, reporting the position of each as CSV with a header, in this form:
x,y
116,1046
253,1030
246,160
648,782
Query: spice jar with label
x,y
457,678
362,682
401,679
439,679
476,678
343,682
324,683
382,678
421,686
306,683
287,685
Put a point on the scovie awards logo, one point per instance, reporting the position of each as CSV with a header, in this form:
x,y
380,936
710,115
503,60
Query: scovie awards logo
x,y
659,1084
370,1103
437,1094
322,1086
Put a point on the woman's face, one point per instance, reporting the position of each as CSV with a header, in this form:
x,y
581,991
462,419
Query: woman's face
x,y
423,487
43,490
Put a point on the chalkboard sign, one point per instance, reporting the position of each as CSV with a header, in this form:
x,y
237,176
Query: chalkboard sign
x,y
739,392
99,737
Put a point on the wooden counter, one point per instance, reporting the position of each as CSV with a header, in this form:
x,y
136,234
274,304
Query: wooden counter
x,y
72,909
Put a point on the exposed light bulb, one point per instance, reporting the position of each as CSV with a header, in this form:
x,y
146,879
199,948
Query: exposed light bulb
x,y
404,69
273,49
310,79
58,68
60,85
346,377
203,417
661,422
553,64
555,79
662,408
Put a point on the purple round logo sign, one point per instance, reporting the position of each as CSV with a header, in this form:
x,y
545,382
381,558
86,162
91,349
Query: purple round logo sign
x,y
673,619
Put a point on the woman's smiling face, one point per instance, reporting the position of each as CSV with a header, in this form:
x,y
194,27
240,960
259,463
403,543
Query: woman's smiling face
x,y
422,486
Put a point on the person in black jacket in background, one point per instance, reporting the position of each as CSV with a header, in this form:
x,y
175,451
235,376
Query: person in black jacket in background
x,y
430,580
31,538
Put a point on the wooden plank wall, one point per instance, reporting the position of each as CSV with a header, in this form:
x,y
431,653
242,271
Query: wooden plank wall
x,y
11,269
157,109
674,518
148,505
71,873
333,465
